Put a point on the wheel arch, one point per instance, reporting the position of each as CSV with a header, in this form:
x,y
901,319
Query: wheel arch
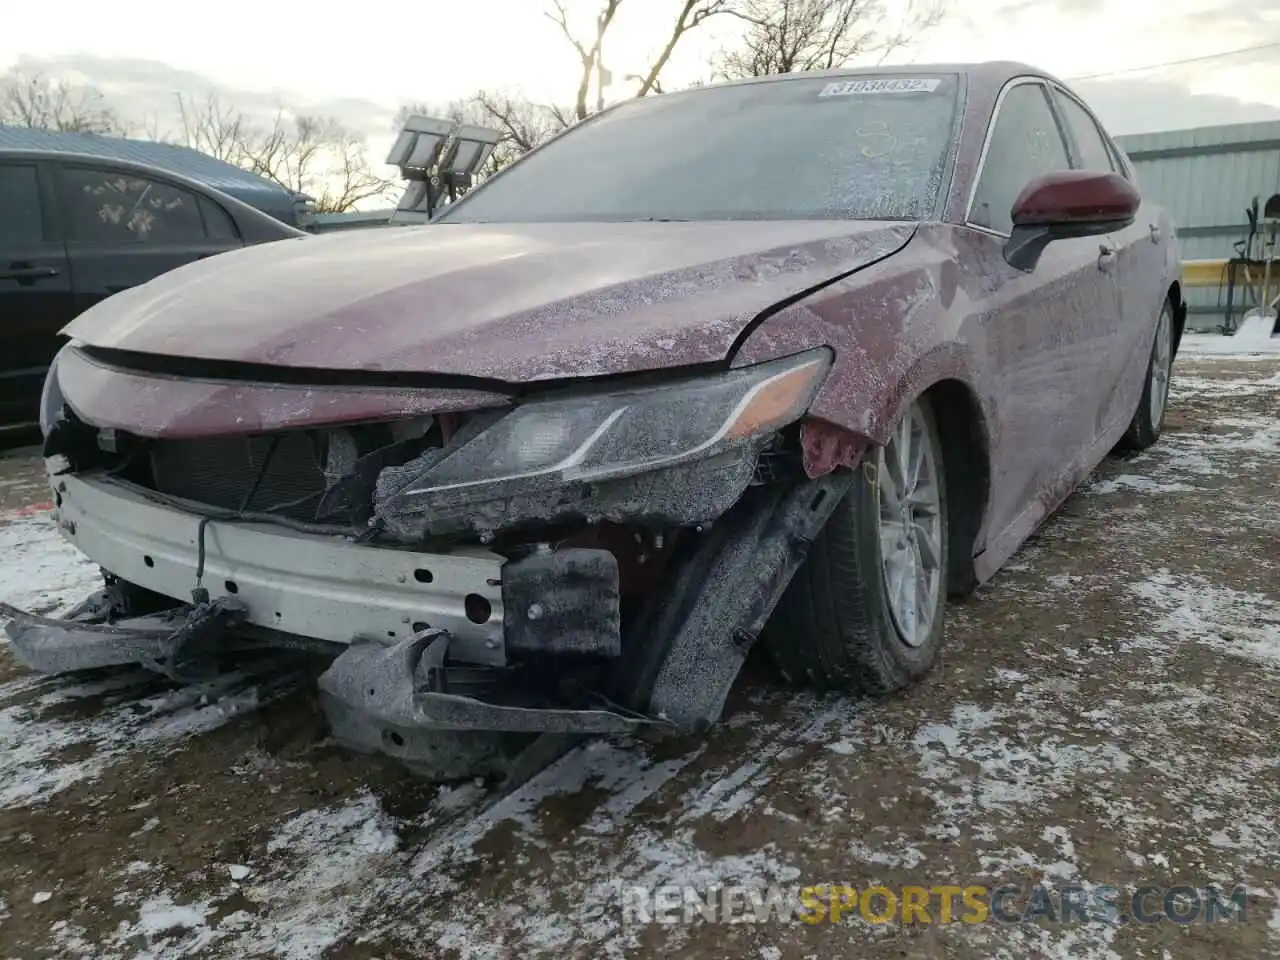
x,y
966,458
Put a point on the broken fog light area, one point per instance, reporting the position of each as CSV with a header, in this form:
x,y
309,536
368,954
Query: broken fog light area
x,y
578,444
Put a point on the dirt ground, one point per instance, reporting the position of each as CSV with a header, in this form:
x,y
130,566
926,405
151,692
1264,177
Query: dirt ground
x,y
1106,713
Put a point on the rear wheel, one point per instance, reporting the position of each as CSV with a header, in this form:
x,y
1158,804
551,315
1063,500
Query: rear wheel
x,y
1144,428
865,611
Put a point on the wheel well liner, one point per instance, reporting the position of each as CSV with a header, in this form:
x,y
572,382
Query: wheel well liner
x,y
1179,313
966,458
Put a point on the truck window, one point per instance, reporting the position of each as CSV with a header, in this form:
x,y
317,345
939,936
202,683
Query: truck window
x,y
22,222
114,207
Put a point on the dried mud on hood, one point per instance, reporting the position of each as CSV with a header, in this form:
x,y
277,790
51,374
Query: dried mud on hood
x,y
1105,713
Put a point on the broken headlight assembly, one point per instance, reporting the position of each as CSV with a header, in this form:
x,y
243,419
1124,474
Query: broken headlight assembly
x,y
595,437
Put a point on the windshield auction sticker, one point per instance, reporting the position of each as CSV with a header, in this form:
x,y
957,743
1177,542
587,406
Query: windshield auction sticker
x,y
849,88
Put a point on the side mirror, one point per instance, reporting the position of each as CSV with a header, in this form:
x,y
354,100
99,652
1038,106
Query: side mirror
x,y
1068,203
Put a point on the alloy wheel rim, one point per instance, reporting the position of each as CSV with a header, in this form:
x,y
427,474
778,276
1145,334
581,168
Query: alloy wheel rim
x,y
1160,364
910,528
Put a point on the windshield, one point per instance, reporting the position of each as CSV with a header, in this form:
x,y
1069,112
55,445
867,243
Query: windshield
x,y
873,147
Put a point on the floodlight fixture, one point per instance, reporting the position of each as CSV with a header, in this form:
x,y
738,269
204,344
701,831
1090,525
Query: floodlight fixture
x,y
418,147
439,158
468,150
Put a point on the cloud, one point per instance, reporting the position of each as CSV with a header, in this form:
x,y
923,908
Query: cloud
x,y
1152,106
145,93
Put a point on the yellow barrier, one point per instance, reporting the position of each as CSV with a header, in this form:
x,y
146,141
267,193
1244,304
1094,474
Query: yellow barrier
x,y
1204,273
1214,273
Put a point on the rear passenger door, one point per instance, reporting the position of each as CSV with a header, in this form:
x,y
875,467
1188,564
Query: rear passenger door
x,y
35,286
1139,265
124,229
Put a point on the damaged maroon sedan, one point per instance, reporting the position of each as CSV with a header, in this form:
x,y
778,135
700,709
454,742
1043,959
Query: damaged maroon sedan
x,y
789,359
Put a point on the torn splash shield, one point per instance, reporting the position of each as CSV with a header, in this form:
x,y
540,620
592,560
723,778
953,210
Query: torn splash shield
x,y
388,699
172,642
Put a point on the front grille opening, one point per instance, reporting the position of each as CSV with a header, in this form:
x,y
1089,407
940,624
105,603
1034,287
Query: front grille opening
x,y
222,472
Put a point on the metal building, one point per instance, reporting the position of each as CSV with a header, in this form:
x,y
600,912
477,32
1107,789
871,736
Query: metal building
x,y
266,195
1207,177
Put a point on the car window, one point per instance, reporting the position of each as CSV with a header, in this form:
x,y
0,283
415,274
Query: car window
x,y
869,147
20,202
109,206
218,224
1094,154
1025,143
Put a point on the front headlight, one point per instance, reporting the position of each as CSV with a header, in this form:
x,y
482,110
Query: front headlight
x,y
51,401
594,437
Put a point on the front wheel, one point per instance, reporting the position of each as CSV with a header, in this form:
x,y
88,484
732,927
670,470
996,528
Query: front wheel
x,y
865,611
1144,428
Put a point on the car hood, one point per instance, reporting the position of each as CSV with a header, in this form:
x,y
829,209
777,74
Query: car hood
x,y
514,303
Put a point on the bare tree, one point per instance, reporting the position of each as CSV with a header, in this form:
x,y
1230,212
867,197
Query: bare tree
x,y
32,99
589,54
524,125
787,36
212,127
690,14
316,156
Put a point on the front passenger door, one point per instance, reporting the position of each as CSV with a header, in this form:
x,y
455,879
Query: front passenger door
x,y
1039,328
1139,273
125,229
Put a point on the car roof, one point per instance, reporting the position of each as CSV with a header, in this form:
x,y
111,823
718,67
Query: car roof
x,y
242,209
988,72
255,190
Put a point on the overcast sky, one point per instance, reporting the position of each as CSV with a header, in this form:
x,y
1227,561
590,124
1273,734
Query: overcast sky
x,y
361,61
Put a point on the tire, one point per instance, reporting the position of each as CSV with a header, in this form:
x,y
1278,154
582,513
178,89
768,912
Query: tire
x,y
1144,428
835,627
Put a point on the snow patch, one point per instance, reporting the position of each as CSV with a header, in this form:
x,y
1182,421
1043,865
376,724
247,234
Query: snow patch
x,y
1232,621
51,575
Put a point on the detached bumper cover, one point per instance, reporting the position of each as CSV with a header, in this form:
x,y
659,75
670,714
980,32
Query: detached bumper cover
x,y
372,693
173,642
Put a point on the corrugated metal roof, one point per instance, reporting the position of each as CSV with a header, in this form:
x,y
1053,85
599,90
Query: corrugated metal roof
x,y
254,190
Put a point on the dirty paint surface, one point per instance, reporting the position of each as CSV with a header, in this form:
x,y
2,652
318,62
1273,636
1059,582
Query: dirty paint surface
x,y
1042,368
515,302
185,409
1104,713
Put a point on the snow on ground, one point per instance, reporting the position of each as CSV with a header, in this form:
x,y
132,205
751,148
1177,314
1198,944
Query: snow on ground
x,y
1199,345
1105,714
51,574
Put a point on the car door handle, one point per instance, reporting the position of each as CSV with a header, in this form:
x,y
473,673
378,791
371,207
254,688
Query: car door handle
x,y
1156,233
25,271
1106,258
